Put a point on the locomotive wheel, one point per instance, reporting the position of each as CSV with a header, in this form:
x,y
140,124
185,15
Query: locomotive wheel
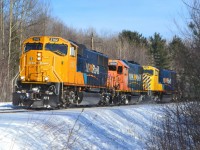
x,y
108,100
105,100
53,101
28,103
158,98
141,99
15,99
117,100
79,97
126,99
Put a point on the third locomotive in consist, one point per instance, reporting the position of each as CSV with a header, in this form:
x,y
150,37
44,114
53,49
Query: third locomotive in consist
x,y
55,73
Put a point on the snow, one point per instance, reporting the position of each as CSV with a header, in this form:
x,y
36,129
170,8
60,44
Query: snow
x,y
102,128
6,105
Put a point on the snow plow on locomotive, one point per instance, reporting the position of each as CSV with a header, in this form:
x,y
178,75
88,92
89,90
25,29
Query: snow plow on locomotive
x,y
55,73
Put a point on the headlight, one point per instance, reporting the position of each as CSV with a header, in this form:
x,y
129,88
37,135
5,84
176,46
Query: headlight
x,y
39,58
46,78
22,77
38,54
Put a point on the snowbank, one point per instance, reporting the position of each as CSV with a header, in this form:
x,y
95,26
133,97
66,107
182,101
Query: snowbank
x,y
125,127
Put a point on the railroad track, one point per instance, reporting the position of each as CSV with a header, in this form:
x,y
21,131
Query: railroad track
x,y
23,109
11,111
4,111
15,109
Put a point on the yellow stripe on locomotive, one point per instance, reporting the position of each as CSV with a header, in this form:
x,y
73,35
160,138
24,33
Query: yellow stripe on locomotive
x,y
151,79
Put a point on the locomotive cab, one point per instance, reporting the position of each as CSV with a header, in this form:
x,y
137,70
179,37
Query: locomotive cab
x,y
151,79
45,59
117,75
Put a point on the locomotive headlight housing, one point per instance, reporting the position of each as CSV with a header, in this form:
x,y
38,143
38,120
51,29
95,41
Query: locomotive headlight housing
x,y
39,56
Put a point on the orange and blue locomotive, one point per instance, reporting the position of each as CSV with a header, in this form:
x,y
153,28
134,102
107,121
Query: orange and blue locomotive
x,y
124,80
55,72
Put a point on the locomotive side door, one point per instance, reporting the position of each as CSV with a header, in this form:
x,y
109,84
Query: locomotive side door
x,y
120,77
72,60
122,72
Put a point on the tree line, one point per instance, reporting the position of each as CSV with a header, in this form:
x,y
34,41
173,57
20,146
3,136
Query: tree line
x,y
179,128
20,19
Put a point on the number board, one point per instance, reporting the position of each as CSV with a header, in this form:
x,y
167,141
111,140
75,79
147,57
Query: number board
x,y
36,39
54,39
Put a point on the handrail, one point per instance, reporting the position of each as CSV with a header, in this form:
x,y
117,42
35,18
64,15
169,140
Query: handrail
x,y
57,76
14,81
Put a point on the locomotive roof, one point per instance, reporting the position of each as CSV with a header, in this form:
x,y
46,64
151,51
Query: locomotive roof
x,y
131,63
83,47
122,62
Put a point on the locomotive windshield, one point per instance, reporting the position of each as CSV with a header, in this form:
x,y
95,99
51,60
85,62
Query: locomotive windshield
x,y
60,49
112,68
150,72
33,46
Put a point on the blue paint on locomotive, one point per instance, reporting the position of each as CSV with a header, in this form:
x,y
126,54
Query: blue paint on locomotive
x,y
168,79
85,78
94,66
135,72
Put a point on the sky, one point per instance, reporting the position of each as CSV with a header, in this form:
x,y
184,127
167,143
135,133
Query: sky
x,y
143,16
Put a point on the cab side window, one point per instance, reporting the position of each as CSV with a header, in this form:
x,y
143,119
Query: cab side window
x,y
156,73
119,69
60,49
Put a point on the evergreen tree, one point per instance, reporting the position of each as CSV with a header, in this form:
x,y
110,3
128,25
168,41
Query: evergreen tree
x,y
177,53
158,51
133,38
179,62
133,46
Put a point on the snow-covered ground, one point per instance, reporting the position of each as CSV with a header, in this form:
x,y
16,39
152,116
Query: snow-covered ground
x,y
125,127
6,105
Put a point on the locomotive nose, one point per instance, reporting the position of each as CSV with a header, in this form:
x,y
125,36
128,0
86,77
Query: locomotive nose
x,y
37,67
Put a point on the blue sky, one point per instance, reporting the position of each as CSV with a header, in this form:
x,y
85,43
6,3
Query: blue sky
x,y
143,16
